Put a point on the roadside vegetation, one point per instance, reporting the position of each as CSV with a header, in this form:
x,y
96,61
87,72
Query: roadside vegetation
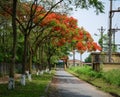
x,y
36,88
108,81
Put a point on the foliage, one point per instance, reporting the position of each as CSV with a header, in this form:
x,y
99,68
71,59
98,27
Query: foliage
x,y
32,12
5,40
90,3
88,59
105,40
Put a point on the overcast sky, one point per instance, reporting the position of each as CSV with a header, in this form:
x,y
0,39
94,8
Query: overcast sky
x,y
92,22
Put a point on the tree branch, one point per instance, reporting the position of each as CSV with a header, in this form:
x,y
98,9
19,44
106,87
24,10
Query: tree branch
x,y
46,14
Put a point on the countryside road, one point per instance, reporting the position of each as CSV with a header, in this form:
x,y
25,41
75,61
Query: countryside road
x,y
68,85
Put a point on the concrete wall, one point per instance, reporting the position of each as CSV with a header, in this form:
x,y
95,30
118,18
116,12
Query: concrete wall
x,y
103,57
107,67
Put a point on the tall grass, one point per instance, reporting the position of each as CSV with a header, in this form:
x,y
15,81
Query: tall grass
x,y
86,70
112,76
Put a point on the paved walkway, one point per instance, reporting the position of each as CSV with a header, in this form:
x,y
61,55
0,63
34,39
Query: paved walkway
x,y
69,86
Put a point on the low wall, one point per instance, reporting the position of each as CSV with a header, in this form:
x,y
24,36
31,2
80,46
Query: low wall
x,y
110,66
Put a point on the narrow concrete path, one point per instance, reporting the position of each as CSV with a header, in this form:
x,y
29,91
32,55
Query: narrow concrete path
x,y
68,85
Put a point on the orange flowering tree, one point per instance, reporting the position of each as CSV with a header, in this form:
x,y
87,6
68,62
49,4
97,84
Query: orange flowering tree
x,y
72,34
69,31
64,30
59,29
84,42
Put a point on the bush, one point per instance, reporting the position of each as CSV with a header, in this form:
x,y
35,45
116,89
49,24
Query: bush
x,y
81,70
84,70
87,71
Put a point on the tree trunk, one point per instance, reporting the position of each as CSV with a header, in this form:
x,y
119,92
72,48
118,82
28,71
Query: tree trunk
x,y
23,77
38,64
49,64
74,57
30,67
11,84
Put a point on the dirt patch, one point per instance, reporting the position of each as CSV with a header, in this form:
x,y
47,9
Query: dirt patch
x,y
5,79
52,90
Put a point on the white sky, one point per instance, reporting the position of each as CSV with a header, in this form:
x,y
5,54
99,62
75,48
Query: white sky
x,y
92,22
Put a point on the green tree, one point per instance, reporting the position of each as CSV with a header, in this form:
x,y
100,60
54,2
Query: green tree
x,y
11,84
104,41
13,5
5,43
86,4
88,59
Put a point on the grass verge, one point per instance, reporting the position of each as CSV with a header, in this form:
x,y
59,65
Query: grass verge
x,y
97,79
35,88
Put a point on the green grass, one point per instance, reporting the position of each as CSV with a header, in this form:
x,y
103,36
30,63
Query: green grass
x,y
35,88
113,77
107,81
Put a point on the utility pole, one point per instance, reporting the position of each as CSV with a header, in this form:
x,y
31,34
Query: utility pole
x,y
110,29
113,31
110,32
101,32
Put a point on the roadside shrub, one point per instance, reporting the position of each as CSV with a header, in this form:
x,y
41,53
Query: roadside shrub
x,y
92,73
74,69
95,74
86,70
